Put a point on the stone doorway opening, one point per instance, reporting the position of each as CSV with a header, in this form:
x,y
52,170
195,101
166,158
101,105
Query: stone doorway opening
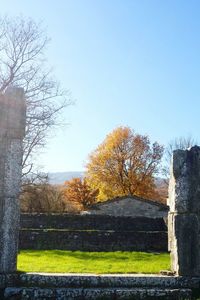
x,y
183,221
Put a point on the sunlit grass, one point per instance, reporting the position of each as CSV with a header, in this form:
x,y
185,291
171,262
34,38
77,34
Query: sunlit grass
x,y
58,261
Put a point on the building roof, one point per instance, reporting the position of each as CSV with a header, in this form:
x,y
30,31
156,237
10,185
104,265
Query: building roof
x,y
117,199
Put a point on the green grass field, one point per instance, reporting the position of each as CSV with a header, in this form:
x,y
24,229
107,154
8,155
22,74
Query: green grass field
x,y
58,261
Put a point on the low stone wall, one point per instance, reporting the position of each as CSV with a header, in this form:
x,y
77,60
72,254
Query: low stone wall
x,y
91,222
93,240
92,233
100,287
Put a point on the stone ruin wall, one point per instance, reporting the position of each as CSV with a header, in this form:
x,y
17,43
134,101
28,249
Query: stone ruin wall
x,y
12,130
92,233
184,193
184,215
184,228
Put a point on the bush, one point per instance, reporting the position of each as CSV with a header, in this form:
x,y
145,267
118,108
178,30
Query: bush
x,y
46,198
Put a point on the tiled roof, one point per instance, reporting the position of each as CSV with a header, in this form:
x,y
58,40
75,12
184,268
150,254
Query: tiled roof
x,y
117,199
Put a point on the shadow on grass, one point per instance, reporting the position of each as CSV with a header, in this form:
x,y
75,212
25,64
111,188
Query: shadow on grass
x,y
60,261
111,256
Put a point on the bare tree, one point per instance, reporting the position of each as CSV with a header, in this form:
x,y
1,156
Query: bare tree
x,y
42,198
22,63
181,143
48,198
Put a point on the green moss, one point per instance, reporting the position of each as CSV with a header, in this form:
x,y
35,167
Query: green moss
x,y
59,261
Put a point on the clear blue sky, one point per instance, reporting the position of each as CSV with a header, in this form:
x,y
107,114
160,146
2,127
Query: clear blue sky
x,y
126,62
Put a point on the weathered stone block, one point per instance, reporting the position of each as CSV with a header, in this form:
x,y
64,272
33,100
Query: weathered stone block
x,y
13,168
184,185
185,244
105,281
9,234
12,113
112,293
12,129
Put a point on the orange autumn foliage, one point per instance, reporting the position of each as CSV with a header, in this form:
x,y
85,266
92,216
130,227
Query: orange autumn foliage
x,y
78,191
124,164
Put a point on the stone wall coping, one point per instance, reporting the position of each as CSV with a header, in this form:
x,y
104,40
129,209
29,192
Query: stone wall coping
x,y
114,275
107,280
119,275
76,280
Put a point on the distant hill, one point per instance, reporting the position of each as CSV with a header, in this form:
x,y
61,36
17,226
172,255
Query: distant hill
x,y
61,177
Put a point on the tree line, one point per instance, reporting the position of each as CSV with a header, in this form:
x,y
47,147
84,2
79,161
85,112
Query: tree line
x,y
125,163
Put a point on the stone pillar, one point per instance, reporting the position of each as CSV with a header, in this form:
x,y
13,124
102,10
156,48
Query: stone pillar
x,y
12,129
184,214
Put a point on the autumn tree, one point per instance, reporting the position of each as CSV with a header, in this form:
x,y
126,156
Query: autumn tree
x,y
23,63
124,164
77,190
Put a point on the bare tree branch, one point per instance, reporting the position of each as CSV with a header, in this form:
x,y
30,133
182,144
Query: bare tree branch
x,y
22,63
182,143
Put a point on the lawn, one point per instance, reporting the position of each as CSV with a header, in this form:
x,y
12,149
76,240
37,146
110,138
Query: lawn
x,y
58,261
